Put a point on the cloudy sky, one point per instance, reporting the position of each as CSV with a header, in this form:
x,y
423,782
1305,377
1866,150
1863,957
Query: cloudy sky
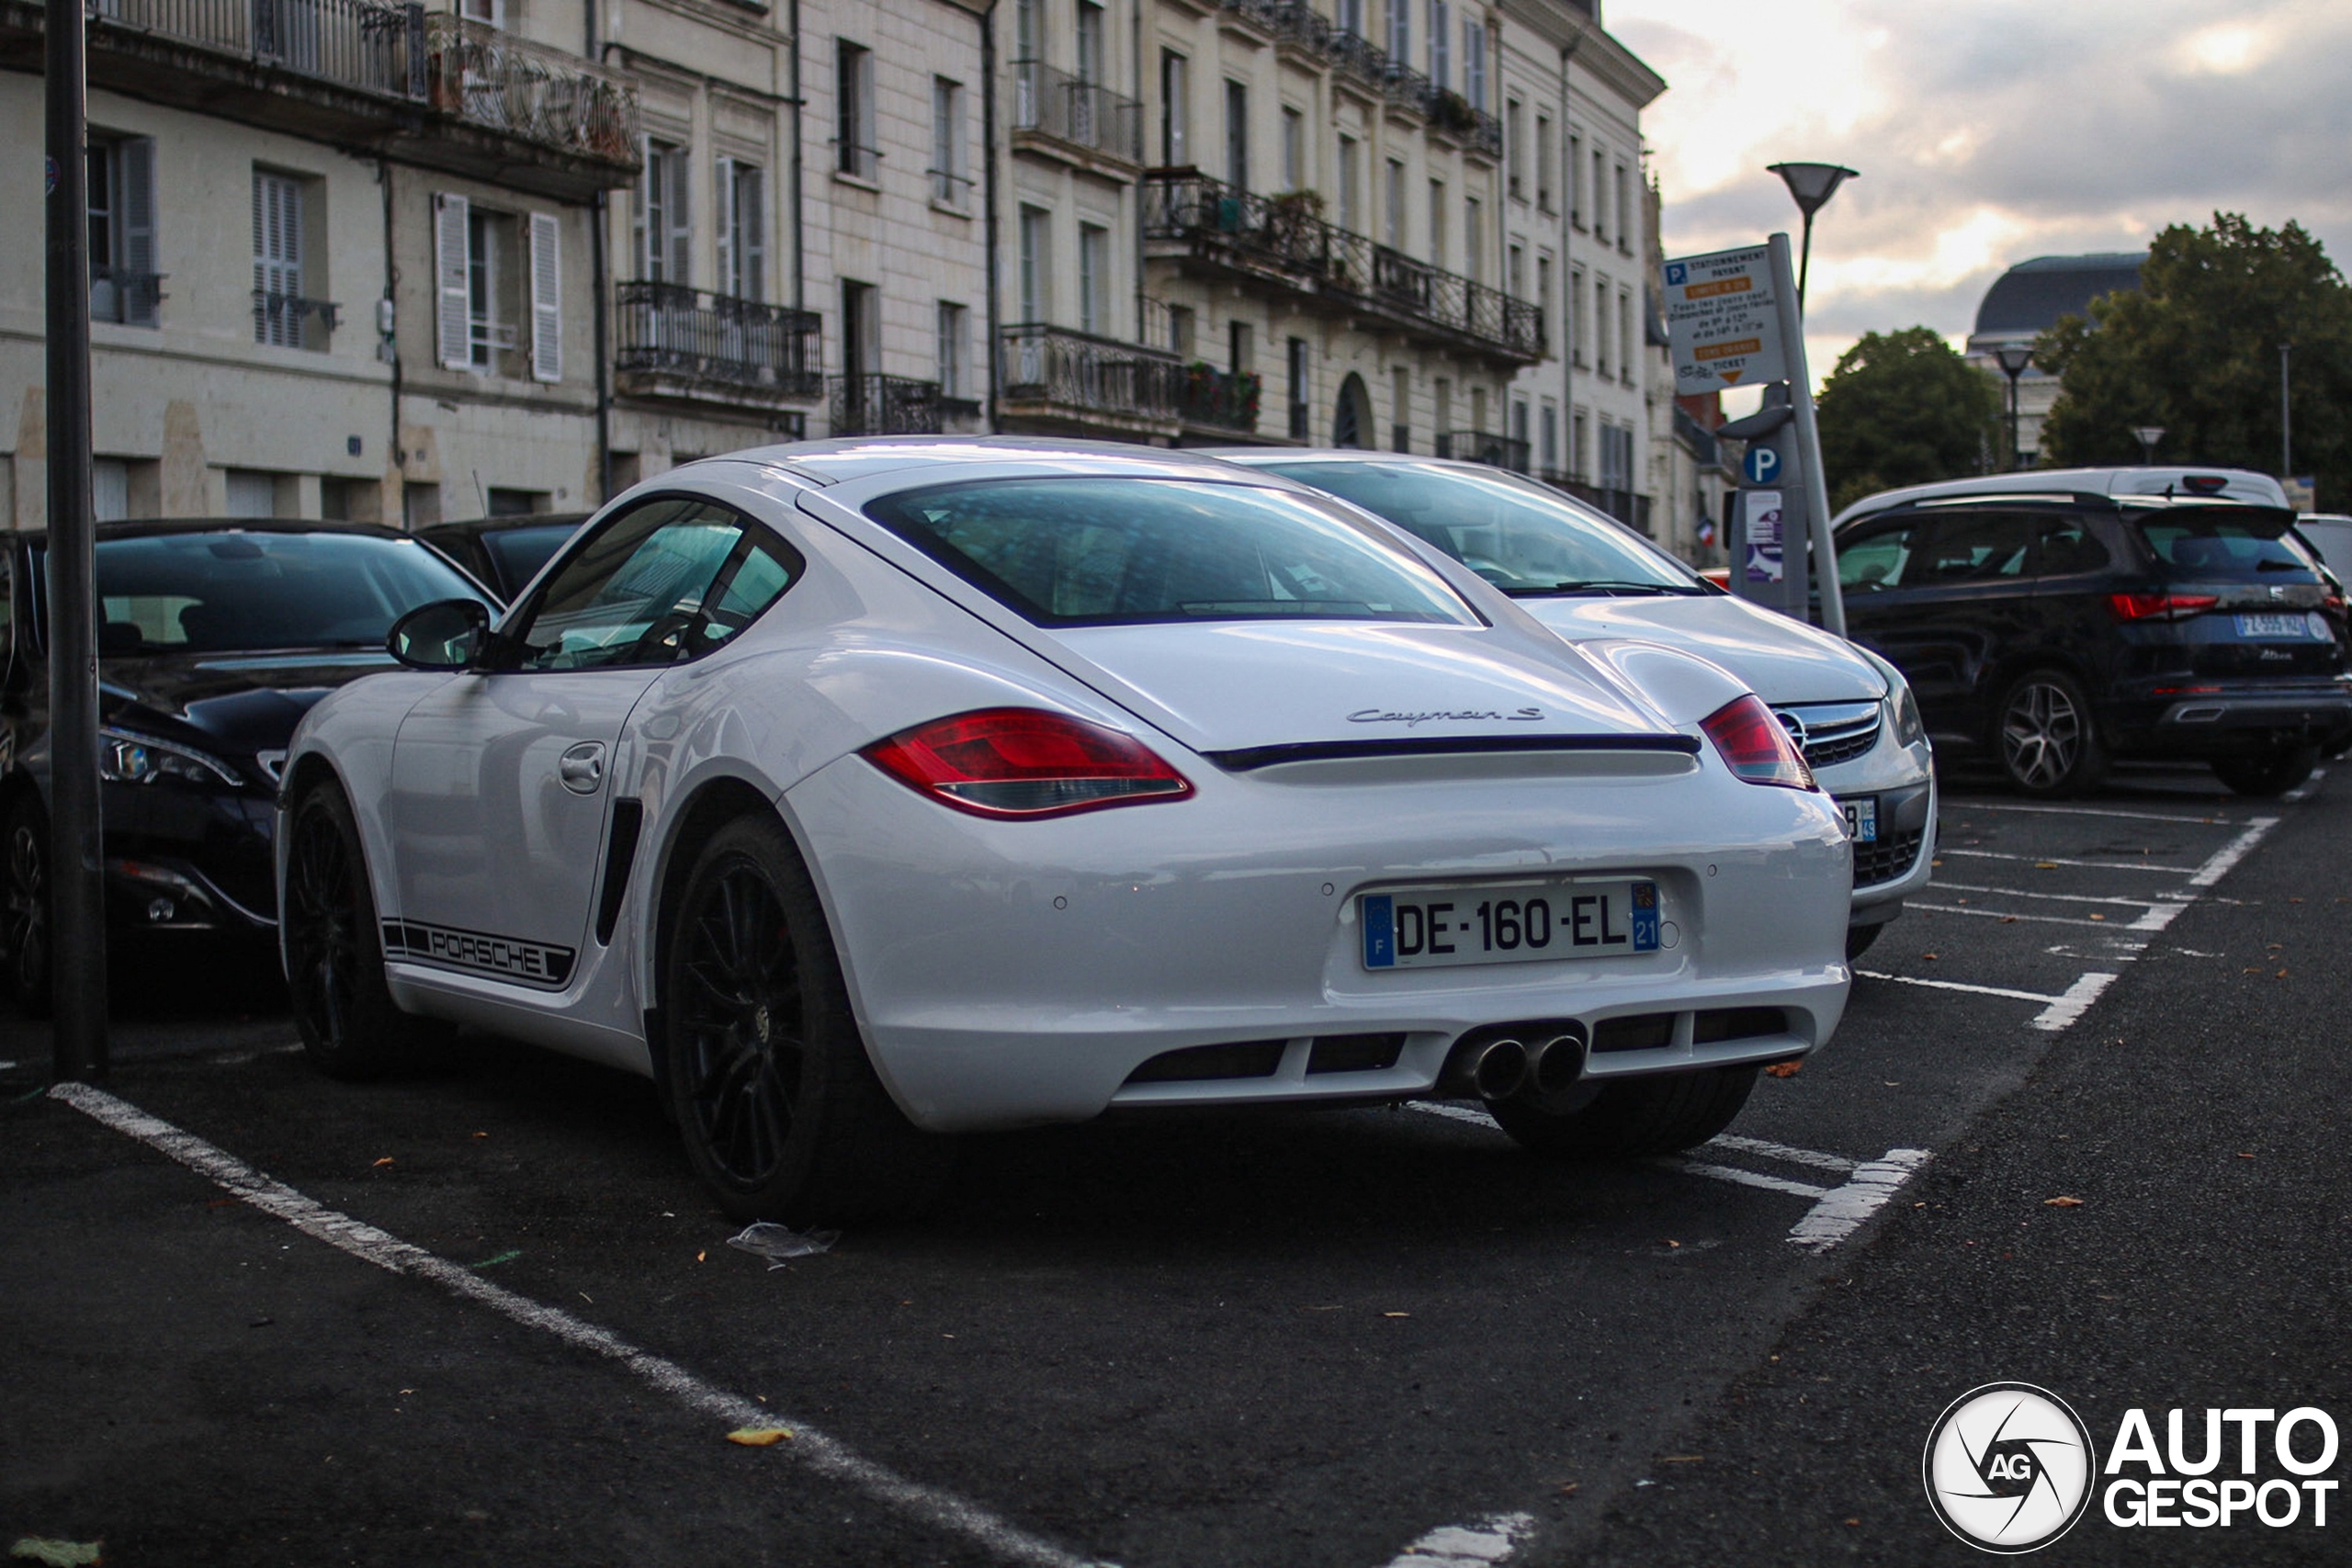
x,y
1989,131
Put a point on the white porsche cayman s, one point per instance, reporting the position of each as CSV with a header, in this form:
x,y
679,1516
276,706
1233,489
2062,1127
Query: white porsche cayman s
x,y
860,792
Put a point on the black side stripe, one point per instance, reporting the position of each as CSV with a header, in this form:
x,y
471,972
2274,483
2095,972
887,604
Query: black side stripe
x,y
629,821
1246,759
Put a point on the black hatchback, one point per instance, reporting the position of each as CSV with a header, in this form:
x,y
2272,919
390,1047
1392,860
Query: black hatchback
x,y
215,638
2107,615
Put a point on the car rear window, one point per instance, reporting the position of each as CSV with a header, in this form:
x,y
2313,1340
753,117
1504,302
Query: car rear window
x,y
520,552
1105,551
2222,543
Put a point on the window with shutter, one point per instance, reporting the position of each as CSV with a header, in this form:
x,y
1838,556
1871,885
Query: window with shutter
x,y
723,186
453,316
750,233
547,298
277,260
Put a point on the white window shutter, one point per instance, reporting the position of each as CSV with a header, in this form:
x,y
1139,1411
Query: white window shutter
x,y
453,330
751,225
723,168
139,227
547,298
681,235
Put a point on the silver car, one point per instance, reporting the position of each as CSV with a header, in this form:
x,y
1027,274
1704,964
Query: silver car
x,y
1587,576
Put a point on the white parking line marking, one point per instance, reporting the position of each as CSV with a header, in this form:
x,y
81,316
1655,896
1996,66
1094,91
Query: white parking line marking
x,y
1459,1112
2229,854
1943,849
2303,792
1743,1177
826,1456
2171,899
1866,1192
2077,1001
2094,811
1466,1546
1956,985
1738,1145
1997,915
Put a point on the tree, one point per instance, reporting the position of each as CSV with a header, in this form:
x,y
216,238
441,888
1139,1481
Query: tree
x,y
2196,351
1902,408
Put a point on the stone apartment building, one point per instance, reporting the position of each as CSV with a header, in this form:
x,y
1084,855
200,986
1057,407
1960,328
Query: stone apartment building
x,y
368,260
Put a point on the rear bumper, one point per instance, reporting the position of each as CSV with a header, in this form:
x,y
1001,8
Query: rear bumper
x,y
2209,723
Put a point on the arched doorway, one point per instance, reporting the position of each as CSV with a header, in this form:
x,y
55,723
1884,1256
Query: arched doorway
x,y
1352,421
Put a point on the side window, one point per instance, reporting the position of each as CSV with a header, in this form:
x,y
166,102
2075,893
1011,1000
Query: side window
x,y
1877,561
666,582
2067,547
1975,546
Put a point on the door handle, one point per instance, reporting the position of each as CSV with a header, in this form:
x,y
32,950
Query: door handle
x,y
581,768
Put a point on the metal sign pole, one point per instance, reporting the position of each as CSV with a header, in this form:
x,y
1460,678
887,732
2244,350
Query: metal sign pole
x,y
76,888
1816,489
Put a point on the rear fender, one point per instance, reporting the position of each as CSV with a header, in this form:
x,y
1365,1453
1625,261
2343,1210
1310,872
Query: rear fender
x,y
1680,685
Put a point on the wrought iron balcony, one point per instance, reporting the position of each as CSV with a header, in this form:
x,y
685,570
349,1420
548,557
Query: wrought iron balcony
x,y
1222,399
1052,375
873,404
1282,243
1477,447
685,342
1056,107
502,82
1301,28
357,44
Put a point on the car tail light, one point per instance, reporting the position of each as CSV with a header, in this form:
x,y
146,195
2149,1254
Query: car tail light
x,y
2159,606
2205,484
1020,763
1755,746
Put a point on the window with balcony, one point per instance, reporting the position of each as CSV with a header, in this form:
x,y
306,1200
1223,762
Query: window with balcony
x,y
1028,32
856,152
950,187
1394,216
1400,30
1474,240
1036,279
124,284
1175,110
1437,222
1091,63
658,209
285,314
1241,347
1441,43
1093,278
1350,16
1474,63
1515,273
1237,135
1293,150
1350,154
743,229
493,293
955,336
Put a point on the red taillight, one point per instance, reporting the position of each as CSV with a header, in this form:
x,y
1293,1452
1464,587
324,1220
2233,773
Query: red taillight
x,y
1755,746
2159,606
1022,763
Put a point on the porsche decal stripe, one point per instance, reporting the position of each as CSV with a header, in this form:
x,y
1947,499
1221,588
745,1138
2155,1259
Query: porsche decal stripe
x,y
1247,758
479,953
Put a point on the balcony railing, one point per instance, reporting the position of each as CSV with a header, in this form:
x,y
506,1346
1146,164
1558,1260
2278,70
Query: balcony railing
x,y
1294,23
1282,240
715,342
359,43
1221,398
873,404
1632,509
1079,374
118,294
1477,447
498,81
1085,115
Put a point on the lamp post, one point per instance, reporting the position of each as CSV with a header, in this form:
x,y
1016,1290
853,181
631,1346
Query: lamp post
x,y
2147,436
2286,421
2014,358
1812,184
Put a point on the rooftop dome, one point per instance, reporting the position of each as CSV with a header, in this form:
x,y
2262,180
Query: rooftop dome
x,y
2029,299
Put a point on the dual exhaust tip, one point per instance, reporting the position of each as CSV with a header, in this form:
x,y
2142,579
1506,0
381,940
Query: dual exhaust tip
x,y
1543,1062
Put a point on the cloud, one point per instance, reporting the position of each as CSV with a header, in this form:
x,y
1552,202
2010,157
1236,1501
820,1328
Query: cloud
x,y
1989,133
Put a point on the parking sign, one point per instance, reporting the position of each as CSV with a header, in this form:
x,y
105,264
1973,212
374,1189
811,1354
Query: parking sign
x,y
1723,320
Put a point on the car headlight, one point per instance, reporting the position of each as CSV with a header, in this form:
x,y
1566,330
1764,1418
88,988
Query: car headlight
x,y
125,756
1910,728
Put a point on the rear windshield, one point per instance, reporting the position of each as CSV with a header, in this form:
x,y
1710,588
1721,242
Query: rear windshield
x,y
2222,543
520,552
1527,540
1090,551
235,591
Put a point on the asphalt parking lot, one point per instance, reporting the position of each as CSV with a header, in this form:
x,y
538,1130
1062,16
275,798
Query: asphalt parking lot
x,y
258,1317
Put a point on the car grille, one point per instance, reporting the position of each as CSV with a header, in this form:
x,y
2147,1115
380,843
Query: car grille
x,y
1832,732
1887,859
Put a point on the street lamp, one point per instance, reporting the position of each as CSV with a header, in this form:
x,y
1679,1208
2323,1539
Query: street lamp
x,y
1812,184
2147,436
2014,358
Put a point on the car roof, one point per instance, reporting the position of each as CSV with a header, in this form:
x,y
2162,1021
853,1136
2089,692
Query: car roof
x,y
2156,484
839,461
479,525
146,527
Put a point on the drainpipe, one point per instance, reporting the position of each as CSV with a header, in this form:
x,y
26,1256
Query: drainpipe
x,y
599,285
800,254
1567,269
1143,136
391,296
987,169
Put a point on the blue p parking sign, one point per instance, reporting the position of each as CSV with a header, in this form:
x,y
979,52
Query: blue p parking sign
x,y
1762,465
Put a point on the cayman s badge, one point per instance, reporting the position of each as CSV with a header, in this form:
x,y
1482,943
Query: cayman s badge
x,y
1461,715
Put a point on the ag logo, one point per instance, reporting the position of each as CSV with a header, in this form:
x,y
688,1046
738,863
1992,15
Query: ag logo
x,y
2009,1467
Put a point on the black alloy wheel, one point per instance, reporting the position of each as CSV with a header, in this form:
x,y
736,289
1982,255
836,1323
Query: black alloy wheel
x,y
350,1026
762,1062
2048,741
24,924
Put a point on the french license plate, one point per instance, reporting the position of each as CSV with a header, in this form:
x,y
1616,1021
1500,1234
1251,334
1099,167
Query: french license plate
x,y
1428,928
2297,626
1861,819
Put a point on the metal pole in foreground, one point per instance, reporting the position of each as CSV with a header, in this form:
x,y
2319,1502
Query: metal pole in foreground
x,y
1816,488
2286,421
76,893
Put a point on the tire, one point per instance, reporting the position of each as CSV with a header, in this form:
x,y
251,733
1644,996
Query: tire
x,y
2266,773
2045,737
350,1026
763,1066
1656,1115
24,924
1858,938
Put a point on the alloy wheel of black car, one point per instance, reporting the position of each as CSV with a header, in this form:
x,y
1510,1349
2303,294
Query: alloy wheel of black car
x,y
26,927
2048,743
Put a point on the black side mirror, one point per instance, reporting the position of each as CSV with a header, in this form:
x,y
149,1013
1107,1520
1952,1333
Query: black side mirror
x,y
446,635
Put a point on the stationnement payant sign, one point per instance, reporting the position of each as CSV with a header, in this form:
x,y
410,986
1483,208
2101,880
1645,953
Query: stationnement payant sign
x,y
1723,320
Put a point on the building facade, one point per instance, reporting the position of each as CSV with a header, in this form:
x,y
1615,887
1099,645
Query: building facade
x,y
2026,301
